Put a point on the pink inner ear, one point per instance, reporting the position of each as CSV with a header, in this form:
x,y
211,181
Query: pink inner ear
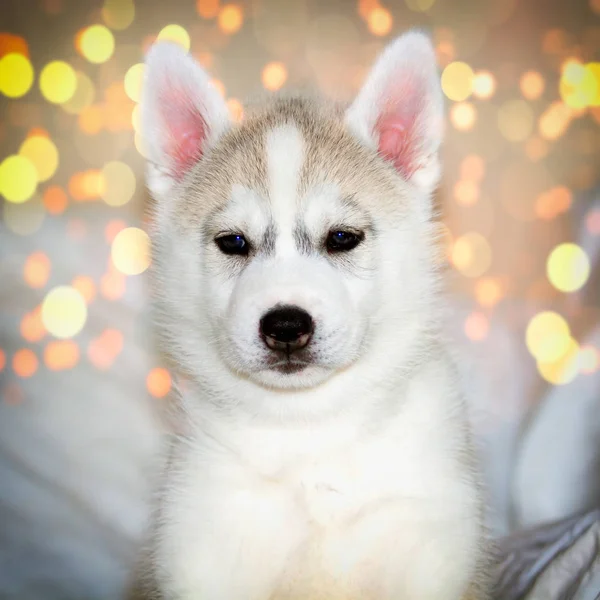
x,y
186,131
397,128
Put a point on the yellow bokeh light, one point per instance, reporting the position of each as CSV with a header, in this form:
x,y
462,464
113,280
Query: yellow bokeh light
x,y
130,251
43,154
97,44
230,18
135,118
133,81
16,75
547,337
64,312
463,116
274,75
515,120
83,96
564,369
175,33
119,183
579,85
457,81
568,267
555,120
484,85
18,178
58,82
118,14
471,254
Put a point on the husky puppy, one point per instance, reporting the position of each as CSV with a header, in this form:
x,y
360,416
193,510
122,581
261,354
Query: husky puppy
x,y
326,452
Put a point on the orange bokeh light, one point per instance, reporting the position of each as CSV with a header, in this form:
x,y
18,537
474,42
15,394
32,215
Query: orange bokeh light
x,y
25,363
86,287
488,292
91,119
274,75
532,85
36,270
158,382
380,21
60,355
230,18
55,200
32,327
2,359
10,43
207,9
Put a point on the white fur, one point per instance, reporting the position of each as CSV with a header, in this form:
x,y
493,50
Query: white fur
x,y
167,65
410,58
352,478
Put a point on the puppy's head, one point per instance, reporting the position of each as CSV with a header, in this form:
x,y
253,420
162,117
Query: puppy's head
x,y
288,246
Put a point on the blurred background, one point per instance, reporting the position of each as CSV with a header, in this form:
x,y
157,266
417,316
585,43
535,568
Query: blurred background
x,y
81,387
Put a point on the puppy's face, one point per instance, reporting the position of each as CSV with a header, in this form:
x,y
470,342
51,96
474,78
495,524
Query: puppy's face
x,y
284,245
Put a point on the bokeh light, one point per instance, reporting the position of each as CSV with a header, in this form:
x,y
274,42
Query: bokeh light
x,y
133,81
532,85
18,178
60,355
25,363
176,34
231,18
484,85
564,369
548,337
16,75
130,251
58,82
64,312
103,350
42,153
476,326
568,267
158,382
471,254
118,184
97,44
457,81
36,270
274,76
463,116
208,9
380,21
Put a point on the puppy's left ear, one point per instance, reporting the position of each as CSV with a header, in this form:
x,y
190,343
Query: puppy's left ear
x,y
399,110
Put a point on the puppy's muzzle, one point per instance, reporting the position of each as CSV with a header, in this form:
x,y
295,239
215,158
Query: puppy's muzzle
x,y
286,328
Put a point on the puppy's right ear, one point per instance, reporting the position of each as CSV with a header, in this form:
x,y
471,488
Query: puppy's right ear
x,y
182,115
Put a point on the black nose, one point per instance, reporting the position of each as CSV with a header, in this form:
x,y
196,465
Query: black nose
x,y
286,328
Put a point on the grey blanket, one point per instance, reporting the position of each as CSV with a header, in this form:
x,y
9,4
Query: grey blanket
x,y
558,561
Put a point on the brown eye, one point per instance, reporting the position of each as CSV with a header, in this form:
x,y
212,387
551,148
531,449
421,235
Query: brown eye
x,y
343,241
233,244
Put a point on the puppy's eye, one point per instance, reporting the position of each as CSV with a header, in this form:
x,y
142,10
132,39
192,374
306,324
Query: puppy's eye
x,y
233,244
343,241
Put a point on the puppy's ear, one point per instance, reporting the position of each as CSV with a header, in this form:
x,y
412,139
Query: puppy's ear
x,y
399,110
182,115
